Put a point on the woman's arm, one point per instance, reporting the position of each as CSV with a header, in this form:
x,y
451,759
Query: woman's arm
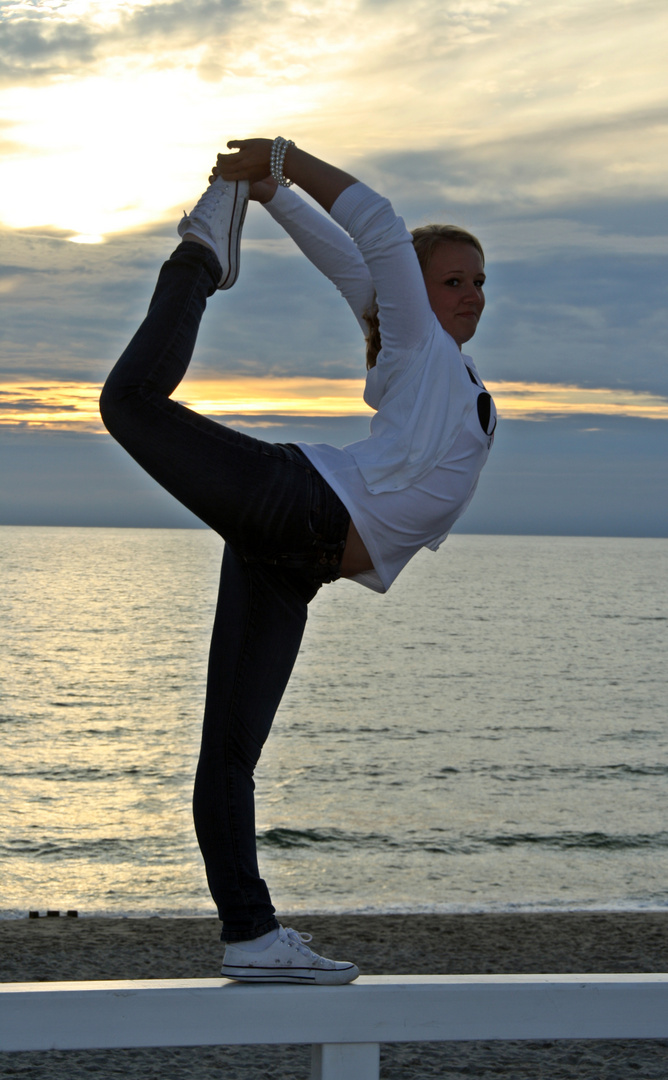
x,y
322,181
324,243
328,247
385,244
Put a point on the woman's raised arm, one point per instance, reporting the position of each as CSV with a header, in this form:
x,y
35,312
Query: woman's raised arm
x,y
386,246
322,181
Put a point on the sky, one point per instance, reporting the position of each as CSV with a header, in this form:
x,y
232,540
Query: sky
x,y
540,127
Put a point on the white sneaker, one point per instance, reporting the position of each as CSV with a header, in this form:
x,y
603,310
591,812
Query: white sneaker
x,y
287,960
217,218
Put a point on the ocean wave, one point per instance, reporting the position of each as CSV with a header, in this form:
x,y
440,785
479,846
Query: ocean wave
x,y
429,843
586,841
281,837
157,850
515,773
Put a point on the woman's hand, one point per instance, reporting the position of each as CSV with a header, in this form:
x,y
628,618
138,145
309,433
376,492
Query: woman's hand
x,y
253,158
251,162
263,191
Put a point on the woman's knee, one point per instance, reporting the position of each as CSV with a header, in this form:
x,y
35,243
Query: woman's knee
x,y
115,402
109,402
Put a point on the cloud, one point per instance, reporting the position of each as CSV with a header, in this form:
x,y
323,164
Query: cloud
x,y
511,106
273,402
42,51
567,303
40,44
557,479
585,319
572,477
540,126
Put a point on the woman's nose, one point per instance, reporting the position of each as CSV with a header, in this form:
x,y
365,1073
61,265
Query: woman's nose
x,y
472,294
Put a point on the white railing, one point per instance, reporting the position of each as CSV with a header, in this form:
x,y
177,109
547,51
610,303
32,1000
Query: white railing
x,y
345,1024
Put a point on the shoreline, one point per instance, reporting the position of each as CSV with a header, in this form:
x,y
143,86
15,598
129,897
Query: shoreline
x,y
22,914
94,947
97,948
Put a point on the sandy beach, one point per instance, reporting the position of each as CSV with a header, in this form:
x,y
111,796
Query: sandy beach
x,y
91,948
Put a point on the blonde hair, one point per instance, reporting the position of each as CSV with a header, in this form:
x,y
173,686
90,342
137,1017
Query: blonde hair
x,y
426,239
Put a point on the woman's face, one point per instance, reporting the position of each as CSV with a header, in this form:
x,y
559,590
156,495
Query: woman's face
x,y
454,280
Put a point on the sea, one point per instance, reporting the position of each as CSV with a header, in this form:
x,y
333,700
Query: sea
x,y
491,735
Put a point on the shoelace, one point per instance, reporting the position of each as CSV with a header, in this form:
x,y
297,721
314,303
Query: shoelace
x,y
207,204
299,941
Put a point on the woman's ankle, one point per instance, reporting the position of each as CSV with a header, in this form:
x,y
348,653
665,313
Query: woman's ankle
x,y
197,240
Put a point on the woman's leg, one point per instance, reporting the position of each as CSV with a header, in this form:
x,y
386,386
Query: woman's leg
x,y
283,526
257,632
183,451
256,495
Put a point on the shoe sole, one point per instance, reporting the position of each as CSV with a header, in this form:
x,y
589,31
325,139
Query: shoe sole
x,y
303,976
234,239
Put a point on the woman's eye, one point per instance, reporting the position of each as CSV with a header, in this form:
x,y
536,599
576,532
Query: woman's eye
x,y
455,282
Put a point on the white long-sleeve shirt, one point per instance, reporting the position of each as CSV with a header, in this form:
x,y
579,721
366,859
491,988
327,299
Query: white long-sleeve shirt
x,y
407,483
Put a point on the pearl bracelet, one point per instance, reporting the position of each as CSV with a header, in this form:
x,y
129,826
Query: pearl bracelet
x,y
279,148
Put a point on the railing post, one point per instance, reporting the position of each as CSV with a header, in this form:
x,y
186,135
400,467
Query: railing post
x,y
345,1061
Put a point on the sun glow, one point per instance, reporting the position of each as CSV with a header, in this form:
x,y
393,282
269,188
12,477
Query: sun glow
x,y
110,153
74,406
281,396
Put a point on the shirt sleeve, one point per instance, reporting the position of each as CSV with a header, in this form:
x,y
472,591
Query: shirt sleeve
x,y
405,314
327,246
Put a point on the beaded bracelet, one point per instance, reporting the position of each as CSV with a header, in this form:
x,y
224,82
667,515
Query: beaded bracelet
x,y
279,148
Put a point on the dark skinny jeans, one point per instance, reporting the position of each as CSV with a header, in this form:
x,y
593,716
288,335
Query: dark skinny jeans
x,y
284,530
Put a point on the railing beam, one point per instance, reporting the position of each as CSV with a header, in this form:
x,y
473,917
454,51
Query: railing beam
x,y
374,1009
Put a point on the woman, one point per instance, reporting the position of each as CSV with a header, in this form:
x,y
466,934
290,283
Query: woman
x,y
295,517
